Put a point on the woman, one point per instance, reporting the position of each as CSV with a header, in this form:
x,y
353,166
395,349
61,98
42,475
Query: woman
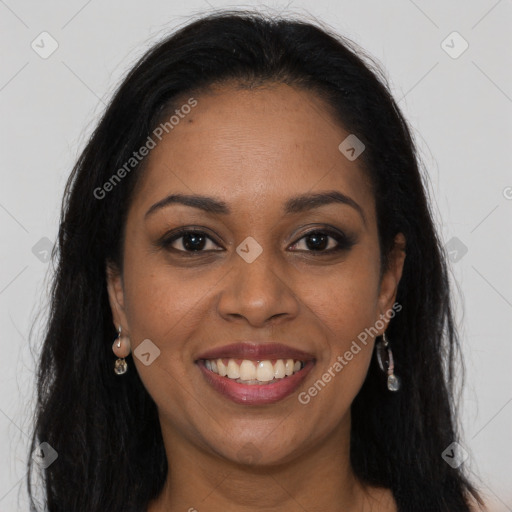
x,y
251,309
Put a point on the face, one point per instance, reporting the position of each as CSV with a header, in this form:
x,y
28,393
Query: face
x,y
261,269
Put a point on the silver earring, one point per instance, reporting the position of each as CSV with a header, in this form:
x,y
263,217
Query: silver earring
x,y
120,365
386,363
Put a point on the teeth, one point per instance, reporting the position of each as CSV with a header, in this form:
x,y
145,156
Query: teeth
x,y
265,371
221,368
247,370
254,372
233,370
279,369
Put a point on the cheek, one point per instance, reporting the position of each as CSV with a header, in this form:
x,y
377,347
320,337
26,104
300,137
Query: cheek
x,y
344,301
344,314
345,306
163,307
166,305
160,303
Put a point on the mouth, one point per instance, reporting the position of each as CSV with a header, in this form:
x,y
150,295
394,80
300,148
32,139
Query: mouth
x,y
252,374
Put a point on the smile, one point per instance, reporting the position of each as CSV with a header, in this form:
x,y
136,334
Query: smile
x,y
254,372
251,382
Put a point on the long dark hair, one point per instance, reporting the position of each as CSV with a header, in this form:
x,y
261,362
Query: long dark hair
x,y
105,429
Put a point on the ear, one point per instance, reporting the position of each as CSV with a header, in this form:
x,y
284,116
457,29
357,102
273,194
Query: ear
x,y
116,297
390,279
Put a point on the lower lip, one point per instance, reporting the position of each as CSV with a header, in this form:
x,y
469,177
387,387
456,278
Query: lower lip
x,y
256,394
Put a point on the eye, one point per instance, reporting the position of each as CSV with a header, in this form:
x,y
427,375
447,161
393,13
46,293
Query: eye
x,y
188,240
318,241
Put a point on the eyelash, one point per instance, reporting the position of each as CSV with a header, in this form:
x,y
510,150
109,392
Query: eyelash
x,y
344,241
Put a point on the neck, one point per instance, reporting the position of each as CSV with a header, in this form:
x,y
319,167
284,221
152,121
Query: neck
x,y
321,478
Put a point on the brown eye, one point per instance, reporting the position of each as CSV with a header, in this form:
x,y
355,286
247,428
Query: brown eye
x,y
322,241
189,241
325,241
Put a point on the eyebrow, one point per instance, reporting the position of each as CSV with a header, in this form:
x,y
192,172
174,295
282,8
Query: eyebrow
x,y
297,204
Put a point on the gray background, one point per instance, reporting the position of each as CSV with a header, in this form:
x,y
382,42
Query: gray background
x,y
459,108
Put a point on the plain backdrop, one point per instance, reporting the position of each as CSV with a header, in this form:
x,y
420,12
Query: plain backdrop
x,y
449,67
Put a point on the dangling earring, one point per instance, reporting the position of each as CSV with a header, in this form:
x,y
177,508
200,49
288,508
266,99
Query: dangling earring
x,y
385,360
120,365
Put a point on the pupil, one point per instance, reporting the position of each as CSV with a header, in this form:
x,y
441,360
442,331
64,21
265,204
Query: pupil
x,y
193,241
319,241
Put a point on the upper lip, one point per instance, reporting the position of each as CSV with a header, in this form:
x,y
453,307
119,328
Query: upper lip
x,y
256,351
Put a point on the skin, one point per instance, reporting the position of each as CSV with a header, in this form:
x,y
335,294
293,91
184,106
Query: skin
x,y
254,149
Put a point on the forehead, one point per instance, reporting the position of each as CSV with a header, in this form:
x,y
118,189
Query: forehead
x,y
252,147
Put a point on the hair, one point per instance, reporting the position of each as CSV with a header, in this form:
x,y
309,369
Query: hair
x,y
104,428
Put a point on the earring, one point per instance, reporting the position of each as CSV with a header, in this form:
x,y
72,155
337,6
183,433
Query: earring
x,y
120,365
385,360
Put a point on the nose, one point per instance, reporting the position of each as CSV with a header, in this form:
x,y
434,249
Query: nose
x,y
258,292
